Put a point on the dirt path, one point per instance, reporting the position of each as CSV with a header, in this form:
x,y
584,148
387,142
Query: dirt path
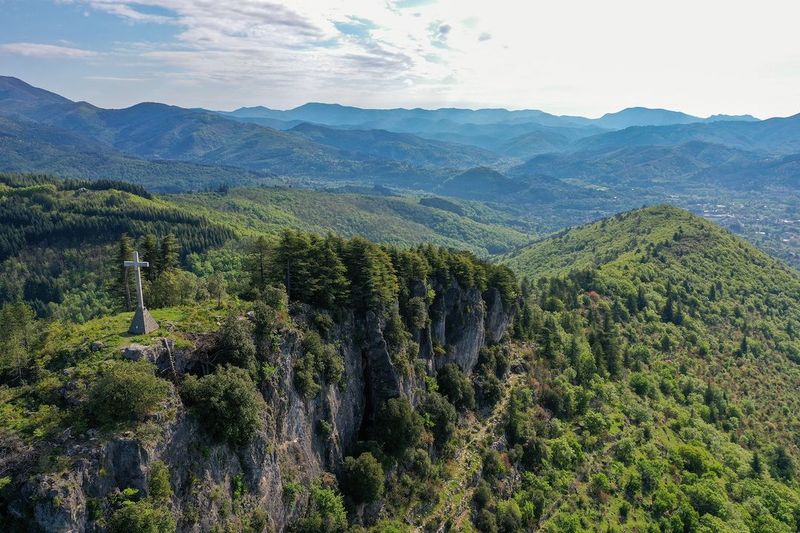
x,y
456,496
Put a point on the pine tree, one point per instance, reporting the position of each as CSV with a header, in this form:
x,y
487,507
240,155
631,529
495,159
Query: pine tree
x,y
641,299
258,264
125,282
330,285
170,253
17,339
668,313
290,265
755,464
150,253
373,281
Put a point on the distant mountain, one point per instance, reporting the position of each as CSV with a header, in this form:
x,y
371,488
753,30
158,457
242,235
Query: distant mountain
x,y
775,135
780,172
30,147
18,96
635,165
643,116
162,132
382,144
480,182
340,115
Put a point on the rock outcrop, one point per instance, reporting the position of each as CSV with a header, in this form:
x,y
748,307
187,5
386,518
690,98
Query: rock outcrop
x,y
300,440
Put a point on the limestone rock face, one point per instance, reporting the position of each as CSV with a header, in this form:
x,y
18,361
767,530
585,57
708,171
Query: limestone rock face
x,y
300,440
457,325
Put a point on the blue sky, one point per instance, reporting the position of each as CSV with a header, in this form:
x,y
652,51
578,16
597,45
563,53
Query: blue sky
x,y
569,57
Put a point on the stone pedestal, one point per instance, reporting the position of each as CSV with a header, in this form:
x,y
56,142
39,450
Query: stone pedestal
x,y
142,322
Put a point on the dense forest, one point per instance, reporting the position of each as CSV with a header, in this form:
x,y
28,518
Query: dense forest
x,y
634,374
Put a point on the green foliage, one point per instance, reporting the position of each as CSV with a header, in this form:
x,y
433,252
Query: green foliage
x,y
456,386
159,487
227,403
394,220
364,478
144,516
326,512
125,391
440,417
236,346
65,214
18,340
397,427
319,359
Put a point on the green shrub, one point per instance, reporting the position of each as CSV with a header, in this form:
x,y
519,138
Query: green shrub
x,y
158,485
417,313
143,516
326,513
440,417
125,392
227,403
397,426
456,386
364,478
236,345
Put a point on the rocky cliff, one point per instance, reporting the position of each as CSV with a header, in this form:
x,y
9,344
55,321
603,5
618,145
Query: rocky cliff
x,y
216,485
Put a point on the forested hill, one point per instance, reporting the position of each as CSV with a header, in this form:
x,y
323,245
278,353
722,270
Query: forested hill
x,y
643,378
714,297
58,237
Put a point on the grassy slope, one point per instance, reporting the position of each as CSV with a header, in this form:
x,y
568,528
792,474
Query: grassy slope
x,y
386,219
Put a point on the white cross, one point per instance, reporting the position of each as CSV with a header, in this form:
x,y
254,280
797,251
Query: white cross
x,y
136,265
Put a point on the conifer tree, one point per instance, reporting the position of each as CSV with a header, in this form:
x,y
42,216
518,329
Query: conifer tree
x,y
258,264
124,285
170,253
150,252
373,280
329,287
290,265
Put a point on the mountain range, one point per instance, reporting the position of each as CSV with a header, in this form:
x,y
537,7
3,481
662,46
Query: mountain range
x,y
554,171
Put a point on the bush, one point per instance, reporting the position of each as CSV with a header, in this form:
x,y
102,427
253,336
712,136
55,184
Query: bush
x,y
440,416
397,426
493,465
158,486
227,403
327,360
419,462
482,496
125,392
236,345
486,522
364,478
490,390
417,313
143,516
456,386
326,512
781,464
509,517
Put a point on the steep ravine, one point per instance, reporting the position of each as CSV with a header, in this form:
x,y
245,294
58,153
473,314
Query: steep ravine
x,y
289,449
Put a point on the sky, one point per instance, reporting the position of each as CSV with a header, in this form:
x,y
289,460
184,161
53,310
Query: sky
x,y
577,57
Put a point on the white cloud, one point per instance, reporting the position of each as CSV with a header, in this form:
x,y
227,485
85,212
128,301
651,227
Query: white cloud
x,y
45,51
573,56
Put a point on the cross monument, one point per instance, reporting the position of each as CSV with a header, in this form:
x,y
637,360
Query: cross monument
x,y
142,321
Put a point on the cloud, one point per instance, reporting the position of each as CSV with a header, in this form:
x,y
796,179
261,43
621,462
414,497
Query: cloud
x,y
114,78
46,51
455,52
